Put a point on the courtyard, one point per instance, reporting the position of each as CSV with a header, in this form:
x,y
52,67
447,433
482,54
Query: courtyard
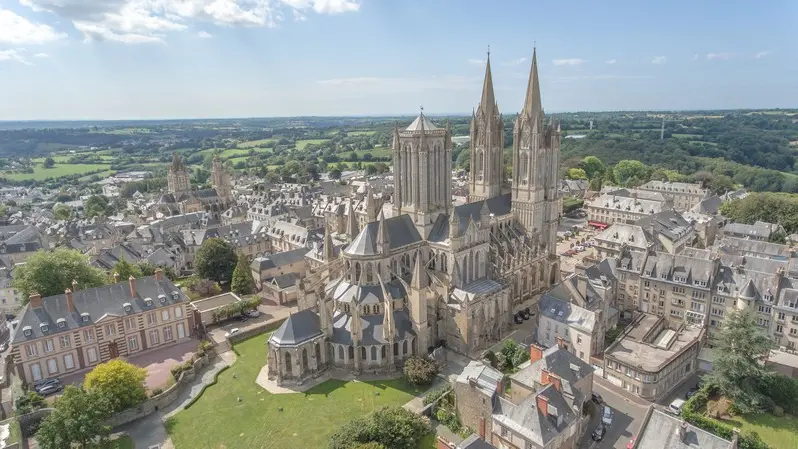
x,y
236,412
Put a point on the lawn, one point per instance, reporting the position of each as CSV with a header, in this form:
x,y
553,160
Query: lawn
x,y
255,143
301,144
123,442
40,173
375,152
218,420
688,136
360,133
777,432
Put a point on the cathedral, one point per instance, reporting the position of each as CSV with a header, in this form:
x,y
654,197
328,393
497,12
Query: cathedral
x,y
434,274
180,199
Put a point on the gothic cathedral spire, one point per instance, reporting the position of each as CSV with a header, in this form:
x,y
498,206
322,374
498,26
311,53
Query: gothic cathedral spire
x,y
487,140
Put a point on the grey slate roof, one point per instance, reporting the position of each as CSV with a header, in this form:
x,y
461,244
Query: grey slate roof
x,y
279,259
297,328
570,368
401,232
372,328
366,294
416,125
286,280
526,419
567,313
661,431
474,442
96,302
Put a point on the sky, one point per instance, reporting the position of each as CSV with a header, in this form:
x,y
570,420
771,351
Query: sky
x,y
150,59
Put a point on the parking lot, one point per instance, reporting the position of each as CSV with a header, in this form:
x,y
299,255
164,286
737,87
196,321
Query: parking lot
x,y
573,257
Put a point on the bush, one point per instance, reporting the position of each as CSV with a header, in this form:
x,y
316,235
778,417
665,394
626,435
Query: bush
x,y
436,394
511,356
420,370
690,414
156,392
29,402
778,411
390,427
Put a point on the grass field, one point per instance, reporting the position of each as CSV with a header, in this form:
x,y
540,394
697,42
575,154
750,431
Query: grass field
x,y
301,144
218,420
777,432
40,173
101,175
687,136
255,143
376,152
360,133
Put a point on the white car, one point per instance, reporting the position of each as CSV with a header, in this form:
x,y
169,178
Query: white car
x,y
232,331
254,313
606,416
676,406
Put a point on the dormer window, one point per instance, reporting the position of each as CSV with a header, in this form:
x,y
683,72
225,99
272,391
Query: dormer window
x,y
27,331
176,296
84,317
720,288
44,327
148,301
61,323
128,307
162,298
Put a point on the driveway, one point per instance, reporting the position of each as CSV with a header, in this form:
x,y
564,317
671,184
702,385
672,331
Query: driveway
x,y
268,313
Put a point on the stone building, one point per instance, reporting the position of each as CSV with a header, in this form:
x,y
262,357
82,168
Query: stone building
x,y
180,199
684,195
434,272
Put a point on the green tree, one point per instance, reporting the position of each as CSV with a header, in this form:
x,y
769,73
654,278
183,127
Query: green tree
x,y
420,370
216,259
28,402
62,212
78,420
335,174
721,184
593,167
391,427
576,173
738,370
49,162
125,269
51,272
631,173
120,382
243,283
97,205
371,170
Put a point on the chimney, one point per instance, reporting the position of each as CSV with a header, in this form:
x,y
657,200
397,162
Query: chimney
x,y
132,281
545,379
683,432
555,380
70,301
35,300
158,274
561,343
116,277
543,405
482,427
74,285
535,353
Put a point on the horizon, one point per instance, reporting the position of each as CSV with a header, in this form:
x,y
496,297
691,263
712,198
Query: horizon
x,y
93,60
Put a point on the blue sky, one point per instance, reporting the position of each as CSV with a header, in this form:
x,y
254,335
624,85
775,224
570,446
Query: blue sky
x,y
127,59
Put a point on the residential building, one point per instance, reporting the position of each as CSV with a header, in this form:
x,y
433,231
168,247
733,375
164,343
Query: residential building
x,y
761,230
266,267
625,206
69,333
684,195
574,187
661,430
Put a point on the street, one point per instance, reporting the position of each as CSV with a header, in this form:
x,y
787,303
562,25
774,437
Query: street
x,y
625,424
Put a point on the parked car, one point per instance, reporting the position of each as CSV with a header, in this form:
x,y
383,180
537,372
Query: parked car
x,y
232,331
524,314
597,398
41,383
242,317
599,433
51,389
580,248
676,406
517,319
606,416
631,442
254,313
691,392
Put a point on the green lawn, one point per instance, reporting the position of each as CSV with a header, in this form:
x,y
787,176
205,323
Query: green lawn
x,y
218,420
40,173
688,136
123,442
375,152
255,143
301,144
360,133
777,432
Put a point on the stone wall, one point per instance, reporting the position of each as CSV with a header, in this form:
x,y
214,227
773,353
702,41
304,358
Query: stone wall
x,y
257,329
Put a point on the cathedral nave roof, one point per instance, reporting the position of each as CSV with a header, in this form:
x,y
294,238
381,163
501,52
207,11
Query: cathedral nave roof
x,y
372,328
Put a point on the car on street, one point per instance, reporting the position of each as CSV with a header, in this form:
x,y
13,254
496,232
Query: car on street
x,y
691,392
597,398
675,407
232,331
253,313
51,389
599,433
631,442
606,415
41,383
242,318
517,319
3,346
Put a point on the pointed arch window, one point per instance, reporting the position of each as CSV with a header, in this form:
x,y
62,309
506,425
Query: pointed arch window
x,y
357,272
524,173
476,266
480,165
369,274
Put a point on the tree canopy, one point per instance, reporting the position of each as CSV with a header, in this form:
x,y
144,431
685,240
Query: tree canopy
x,y
243,283
97,205
215,260
120,382
390,427
780,208
62,212
51,272
78,419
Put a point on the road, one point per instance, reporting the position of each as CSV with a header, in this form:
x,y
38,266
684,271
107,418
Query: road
x,y
626,423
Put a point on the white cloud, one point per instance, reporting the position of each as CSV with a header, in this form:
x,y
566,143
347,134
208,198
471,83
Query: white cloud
x,y
15,29
204,35
41,55
569,61
763,54
659,60
720,56
514,62
14,55
145,21
611,61
476,61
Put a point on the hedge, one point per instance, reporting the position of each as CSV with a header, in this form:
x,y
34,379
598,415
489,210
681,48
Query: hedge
x,y
691,414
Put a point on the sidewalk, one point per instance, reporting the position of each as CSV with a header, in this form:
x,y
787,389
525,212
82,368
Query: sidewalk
x,y
607,385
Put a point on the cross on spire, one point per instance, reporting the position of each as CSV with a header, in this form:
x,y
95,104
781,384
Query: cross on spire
x,y
488,51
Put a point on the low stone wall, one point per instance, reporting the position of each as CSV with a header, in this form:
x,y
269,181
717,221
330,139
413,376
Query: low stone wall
x,y
258,329
162,400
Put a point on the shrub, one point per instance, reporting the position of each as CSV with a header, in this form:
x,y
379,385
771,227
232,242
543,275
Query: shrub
x,y
436,394
390,427
778,411
29,402
420,370
156,392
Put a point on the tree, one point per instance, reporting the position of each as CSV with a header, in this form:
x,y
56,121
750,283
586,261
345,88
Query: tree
x,y
49,162
420,370
631,173
576,173
389,427
120,382
78,419
243,283
97,205
49,273
125,269
216,259
371,170
593,167
721,184
335,174
738,371
62,212
28,402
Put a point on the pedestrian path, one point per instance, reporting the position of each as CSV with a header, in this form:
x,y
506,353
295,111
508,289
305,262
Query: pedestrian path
x,y
222,361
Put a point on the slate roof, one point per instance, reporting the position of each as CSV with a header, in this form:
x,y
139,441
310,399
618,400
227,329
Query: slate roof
x,y
416,125
474,442
286,280
401,232
372,328
297,328
97,302
279,259
570,368
567,313
526,419
661,431
365,294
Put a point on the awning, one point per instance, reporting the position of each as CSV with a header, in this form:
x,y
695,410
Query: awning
x,y
597,224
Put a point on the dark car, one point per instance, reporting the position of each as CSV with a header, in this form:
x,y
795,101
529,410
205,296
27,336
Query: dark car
x,y
50,389
517,319
691,392
242,318
599,433
39,384
597,398
524,314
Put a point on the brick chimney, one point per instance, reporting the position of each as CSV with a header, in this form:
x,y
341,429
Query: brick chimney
x,y
70,302
116,277
543,405
555,380
545,378
132,281
561,343
35,300
158,274
74,285
482,427
535,353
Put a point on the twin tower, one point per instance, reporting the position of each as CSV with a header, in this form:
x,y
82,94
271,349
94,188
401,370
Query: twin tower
x,y
422,163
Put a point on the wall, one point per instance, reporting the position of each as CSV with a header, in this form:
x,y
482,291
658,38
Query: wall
x,y
258,329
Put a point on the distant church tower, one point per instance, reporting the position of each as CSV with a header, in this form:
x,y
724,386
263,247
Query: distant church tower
x,y
220,179
487,142
536,160
422,160
177,179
